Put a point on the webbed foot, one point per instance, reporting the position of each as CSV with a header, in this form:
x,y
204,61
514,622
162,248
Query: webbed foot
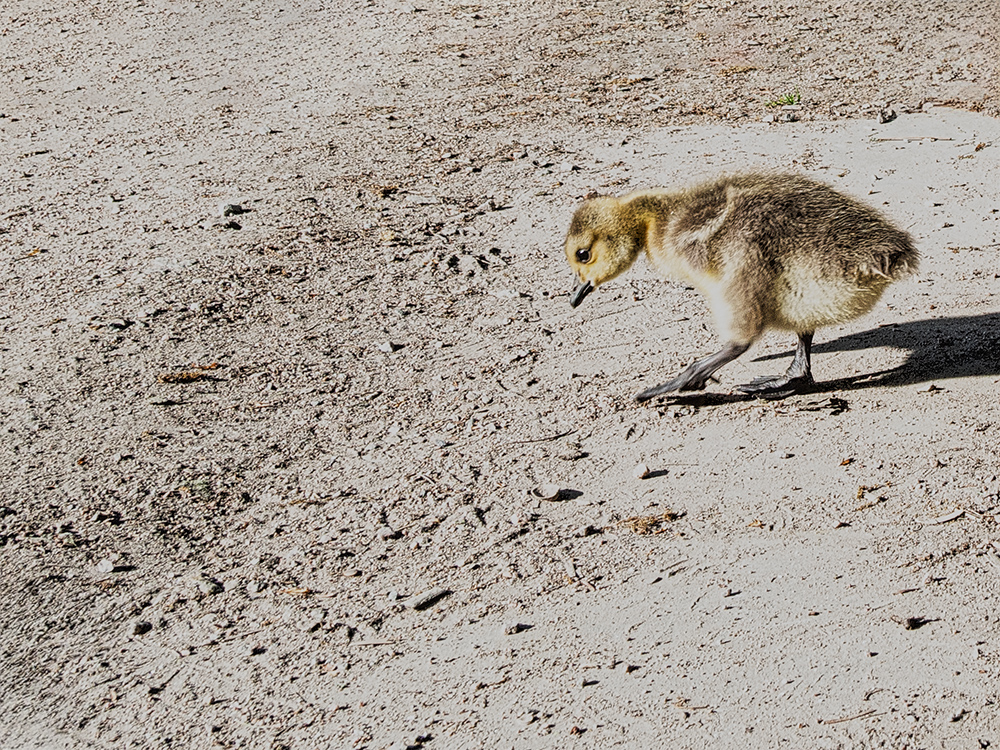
x,y
798,378
697,374
775,387
683,382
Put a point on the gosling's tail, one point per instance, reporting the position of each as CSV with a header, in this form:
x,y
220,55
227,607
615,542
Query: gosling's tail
x,y
892,259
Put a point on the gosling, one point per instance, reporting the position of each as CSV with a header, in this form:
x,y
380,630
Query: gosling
x,y
768,251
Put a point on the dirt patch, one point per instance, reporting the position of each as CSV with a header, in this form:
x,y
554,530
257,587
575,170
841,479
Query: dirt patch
x,y
286,344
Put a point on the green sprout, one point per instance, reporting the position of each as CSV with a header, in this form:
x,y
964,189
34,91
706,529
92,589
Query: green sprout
x,y
785,99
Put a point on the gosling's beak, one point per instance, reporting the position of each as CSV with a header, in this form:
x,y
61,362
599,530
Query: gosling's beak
x,y
579,293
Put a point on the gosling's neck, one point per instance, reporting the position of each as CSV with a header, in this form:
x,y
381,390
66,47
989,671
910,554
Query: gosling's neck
x,y
641,211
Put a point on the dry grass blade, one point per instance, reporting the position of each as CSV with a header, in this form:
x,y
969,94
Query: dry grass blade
x,y
862,715
942,519
196,372
654,524
187,376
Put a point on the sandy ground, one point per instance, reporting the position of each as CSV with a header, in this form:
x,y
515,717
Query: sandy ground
x,y
266,468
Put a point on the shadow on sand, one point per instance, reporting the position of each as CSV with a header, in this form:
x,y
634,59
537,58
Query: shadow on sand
x,y
938,349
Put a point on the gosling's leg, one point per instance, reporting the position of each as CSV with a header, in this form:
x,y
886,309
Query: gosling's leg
x,y
795,380
694,377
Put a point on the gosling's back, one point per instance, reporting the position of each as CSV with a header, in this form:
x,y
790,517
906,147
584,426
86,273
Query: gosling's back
x,y
782,251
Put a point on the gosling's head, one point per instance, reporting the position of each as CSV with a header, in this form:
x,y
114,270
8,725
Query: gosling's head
x,y
602,242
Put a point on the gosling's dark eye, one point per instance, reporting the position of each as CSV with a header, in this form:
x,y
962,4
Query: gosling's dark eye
x,y
583,255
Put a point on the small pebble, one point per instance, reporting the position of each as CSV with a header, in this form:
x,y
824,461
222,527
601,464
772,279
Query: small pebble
x,y
514,627
208,586
141,627
311,620
641,471
572,452
528,717
231,209
427,598
545,492
522,517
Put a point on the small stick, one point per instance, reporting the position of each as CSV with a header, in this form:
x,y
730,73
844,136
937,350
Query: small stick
x,y
235,637
864,715
426,599
913,138
616,312
543,439
672,568
16,213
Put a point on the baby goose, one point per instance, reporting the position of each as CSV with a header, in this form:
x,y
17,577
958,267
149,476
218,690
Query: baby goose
x,y
766,250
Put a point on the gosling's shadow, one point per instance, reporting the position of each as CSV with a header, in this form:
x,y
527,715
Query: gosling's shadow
x,y
938,349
